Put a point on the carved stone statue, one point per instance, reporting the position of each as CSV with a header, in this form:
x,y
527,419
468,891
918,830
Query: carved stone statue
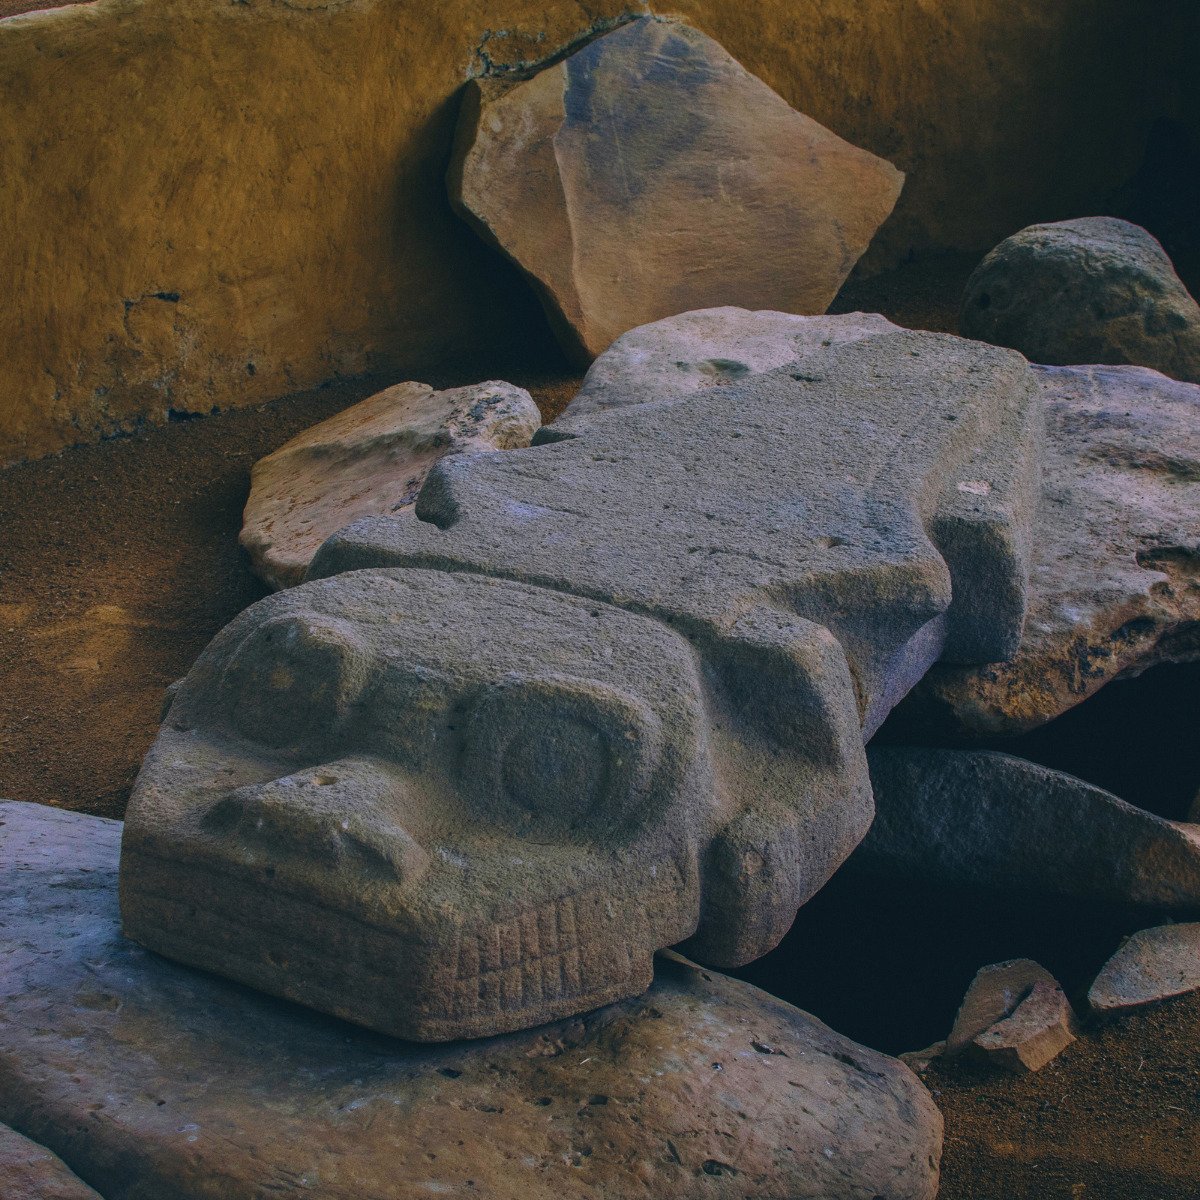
x,y
593,698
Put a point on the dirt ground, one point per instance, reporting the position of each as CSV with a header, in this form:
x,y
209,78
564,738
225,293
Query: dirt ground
x,y
119,561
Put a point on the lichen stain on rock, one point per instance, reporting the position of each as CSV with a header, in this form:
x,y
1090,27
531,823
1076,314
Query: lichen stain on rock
x,y
281,166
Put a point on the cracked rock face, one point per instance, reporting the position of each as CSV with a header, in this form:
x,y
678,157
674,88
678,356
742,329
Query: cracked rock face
x,y
1115,585
1151,966
371,458
610,695
640,177
1096,290
154,1080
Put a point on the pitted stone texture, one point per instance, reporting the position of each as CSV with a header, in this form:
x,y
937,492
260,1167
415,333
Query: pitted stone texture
x,y
372,458
707,348
844,496
1115,585
987,819
1096,290
649,174
31,1172
446,805
155,1080
1151,965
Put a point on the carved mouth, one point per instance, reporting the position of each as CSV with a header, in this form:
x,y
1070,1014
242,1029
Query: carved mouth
x,y
554,953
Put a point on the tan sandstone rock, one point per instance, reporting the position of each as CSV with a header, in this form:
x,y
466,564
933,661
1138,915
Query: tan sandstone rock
x,y
372,458
154,1080
994,994
31,1172
649,174
1036,1032
1151,965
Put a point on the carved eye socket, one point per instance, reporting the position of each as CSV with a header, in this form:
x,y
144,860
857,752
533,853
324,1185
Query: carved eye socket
x,y
294,679
556,755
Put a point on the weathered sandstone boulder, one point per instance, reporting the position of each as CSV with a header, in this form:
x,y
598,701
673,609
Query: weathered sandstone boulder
x,y
649,173
1096,290
615,699
30,1172
152,1079
371,458
1115,584
707,348
990,820
1151,965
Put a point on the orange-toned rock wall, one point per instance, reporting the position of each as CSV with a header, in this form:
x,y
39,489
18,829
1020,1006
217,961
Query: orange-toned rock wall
x,y
207,203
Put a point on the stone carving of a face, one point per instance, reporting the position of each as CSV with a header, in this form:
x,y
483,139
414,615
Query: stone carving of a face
x,y
438,804
591,699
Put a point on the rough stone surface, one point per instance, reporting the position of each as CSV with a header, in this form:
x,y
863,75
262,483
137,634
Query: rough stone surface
x,y
1152,965
990,820
691,657
1037,1031
299,213
698,350
994,995
643,175
1115,583
372,458
31,1172
157,1081
1096,290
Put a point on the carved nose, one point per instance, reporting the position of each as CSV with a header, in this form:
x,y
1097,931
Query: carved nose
x,y
337,816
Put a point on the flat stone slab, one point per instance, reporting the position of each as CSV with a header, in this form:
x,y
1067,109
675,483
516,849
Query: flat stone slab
x,y
987,819
708,348
1151,965
648,174
1115,584
152,1079
371,458
1093,290
30,1172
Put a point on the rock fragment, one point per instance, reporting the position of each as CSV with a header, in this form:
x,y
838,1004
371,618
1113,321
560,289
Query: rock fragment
x,y
1095,290
371,458
649,174
207,1089
982,818
1151,965
994,995
31,1172
1115,582
1037,1031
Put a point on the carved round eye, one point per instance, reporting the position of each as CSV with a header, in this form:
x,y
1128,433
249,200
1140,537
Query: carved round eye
x,y
293,679
555,755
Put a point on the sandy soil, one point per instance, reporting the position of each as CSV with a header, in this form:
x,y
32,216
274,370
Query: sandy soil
x,y
119,561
